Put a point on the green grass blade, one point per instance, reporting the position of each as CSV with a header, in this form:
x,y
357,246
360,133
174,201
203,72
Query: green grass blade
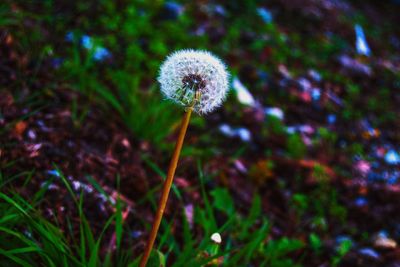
x,y
17,260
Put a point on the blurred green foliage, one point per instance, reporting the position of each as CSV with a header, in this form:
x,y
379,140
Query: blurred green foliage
x,y
295,146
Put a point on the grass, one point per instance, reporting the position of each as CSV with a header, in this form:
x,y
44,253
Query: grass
x,y
29,239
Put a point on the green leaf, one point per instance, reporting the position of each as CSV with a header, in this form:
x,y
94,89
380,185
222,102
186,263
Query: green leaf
x,y
15,258
118,223
315,242
156,259
222,200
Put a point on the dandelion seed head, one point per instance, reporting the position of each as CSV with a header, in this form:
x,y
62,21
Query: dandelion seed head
x,y
187,71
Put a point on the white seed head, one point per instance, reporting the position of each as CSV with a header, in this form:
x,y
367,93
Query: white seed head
x,y
216,238
187,71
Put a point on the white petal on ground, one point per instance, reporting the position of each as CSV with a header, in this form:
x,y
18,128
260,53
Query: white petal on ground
x,y
243,133
265,14
392,157
361,43
226,130
274,111
243,94
216,237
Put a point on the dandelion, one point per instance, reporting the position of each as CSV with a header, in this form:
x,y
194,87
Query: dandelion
x,y
198,81
188,71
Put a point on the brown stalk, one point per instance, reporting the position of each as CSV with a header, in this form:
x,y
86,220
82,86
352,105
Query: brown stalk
x,y
168,182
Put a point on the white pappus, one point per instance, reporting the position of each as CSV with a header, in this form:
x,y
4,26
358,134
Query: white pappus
x,y
185,72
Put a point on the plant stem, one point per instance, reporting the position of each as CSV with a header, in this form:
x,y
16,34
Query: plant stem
x,y
166,187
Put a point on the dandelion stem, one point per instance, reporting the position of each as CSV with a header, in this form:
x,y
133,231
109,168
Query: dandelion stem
x,y
167,183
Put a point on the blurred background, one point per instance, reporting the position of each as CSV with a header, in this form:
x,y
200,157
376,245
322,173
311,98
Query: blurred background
x,y
299,167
